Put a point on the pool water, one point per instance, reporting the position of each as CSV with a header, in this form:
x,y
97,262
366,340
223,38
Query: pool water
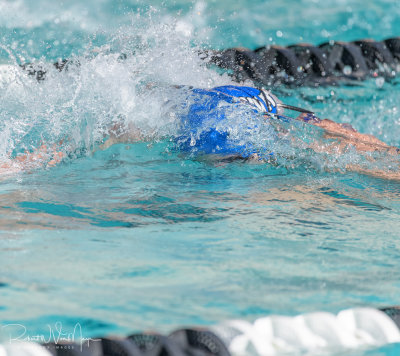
x,y
141,236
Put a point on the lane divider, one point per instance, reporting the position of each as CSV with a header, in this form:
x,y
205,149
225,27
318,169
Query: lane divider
x,y
311,334
329,63
304,64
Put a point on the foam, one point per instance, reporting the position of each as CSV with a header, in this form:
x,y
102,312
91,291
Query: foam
x,y
312,333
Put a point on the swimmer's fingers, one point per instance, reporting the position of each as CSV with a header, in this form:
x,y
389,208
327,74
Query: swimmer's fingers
x,y
40,155
57,158
28,157
108,143
117,129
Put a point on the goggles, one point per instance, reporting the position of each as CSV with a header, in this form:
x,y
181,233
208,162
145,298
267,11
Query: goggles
x,y
285,111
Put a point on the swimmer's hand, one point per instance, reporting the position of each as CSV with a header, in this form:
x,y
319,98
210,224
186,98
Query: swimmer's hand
x,y
120,135
44,156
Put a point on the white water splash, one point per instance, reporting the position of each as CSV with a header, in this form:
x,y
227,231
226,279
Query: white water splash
x,y
107,86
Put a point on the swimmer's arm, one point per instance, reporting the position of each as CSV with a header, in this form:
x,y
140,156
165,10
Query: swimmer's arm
x,y
377,173
345,135
44,156
117,135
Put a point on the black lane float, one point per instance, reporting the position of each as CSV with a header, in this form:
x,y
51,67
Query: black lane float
x,y
272,335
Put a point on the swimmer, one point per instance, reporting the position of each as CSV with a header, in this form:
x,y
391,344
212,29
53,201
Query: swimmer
x,y
202,106
211,105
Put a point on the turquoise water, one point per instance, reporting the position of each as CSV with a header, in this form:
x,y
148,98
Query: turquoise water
x,y
139,236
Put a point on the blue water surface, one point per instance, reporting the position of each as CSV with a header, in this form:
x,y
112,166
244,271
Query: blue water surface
x,y
140,236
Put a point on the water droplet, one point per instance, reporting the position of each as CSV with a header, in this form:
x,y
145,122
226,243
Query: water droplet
x,y
347,70
379,82
279,33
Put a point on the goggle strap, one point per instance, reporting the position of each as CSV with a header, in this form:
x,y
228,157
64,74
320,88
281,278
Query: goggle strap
x,y
295,108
